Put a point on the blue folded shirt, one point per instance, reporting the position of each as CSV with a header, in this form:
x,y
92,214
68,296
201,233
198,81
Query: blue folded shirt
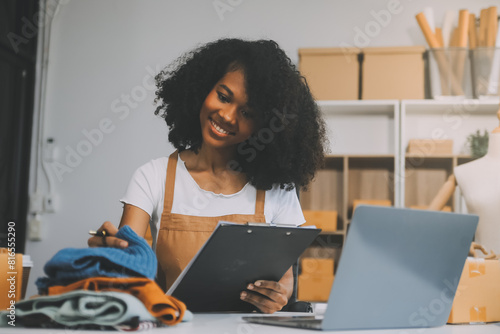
x,y
73,264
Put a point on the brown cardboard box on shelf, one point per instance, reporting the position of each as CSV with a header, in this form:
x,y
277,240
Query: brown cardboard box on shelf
x,y
314,288
428,147
315,280
316,266
393,73
325,220
424,207
332,73
381,202
11,278
478,295
330,250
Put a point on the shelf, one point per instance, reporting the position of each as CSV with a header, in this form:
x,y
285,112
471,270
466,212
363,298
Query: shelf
x,y
363,156
362,126
440,156
429,119
439,119
469,106
358,107
337,233
368,158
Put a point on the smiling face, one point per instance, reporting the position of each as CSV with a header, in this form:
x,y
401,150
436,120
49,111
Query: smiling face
x,y
225,117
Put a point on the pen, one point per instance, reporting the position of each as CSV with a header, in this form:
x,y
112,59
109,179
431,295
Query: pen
x,y
102,233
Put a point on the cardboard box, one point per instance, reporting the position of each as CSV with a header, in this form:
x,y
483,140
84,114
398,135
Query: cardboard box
x,y
380,202
427,147
330,249
332,73
393,73
316,266
424,207
325,220
478,294
11,278
314,288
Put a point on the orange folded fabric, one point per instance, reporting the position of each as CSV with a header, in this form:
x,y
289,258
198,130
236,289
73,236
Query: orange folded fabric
x,y
167,309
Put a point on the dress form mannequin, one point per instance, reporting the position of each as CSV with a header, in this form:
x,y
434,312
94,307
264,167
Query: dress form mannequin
x,y
479,182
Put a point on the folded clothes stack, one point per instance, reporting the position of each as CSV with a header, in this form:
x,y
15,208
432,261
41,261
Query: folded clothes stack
x,y
102,288
82,309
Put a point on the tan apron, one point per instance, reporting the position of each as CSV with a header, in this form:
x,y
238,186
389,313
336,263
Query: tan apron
x,y
181,236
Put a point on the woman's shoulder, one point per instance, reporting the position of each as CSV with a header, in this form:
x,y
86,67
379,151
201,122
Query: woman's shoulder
x,y
283,206
160,162
153,168
278,193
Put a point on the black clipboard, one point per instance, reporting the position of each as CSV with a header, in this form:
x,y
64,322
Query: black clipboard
x,y
234,256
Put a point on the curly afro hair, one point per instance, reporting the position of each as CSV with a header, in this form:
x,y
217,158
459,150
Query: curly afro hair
x,y
288,146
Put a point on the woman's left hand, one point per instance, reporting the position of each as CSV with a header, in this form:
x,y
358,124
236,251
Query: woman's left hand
x,y
269,296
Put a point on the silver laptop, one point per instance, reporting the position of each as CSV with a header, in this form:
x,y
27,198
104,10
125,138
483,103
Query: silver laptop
x,y
399,268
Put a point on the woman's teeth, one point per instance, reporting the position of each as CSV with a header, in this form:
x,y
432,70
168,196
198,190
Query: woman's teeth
x,y
218,128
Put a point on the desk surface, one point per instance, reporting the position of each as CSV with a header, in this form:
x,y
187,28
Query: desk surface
x,y
233,324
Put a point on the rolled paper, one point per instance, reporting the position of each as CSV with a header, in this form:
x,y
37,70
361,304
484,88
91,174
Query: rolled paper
x,y
429,35
449,18
492,26
439,36
454,38
461,42
438,85
497,41
483,18
463,27
444,66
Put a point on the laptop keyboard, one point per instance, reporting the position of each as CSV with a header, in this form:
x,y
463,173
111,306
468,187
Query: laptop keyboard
x,y
308,322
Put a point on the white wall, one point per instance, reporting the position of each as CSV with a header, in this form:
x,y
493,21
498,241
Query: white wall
x,y
103,50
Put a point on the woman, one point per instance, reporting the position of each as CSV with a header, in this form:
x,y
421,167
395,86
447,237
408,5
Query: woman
x,y
247,132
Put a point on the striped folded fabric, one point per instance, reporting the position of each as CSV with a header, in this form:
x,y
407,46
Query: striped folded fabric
x,y
169,310
83,309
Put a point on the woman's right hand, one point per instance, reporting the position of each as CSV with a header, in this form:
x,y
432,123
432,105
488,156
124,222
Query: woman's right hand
x,y
109,240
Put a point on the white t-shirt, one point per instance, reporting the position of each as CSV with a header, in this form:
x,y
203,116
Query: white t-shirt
x,y
146,191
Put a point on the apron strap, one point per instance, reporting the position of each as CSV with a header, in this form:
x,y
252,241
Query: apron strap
x,y
170,182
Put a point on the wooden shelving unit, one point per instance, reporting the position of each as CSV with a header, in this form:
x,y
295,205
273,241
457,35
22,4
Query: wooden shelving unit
x,y
364,137
423,175
368,141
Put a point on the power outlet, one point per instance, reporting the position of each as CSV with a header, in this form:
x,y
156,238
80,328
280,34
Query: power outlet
x,y
36,203
35,228
49,204
49,150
